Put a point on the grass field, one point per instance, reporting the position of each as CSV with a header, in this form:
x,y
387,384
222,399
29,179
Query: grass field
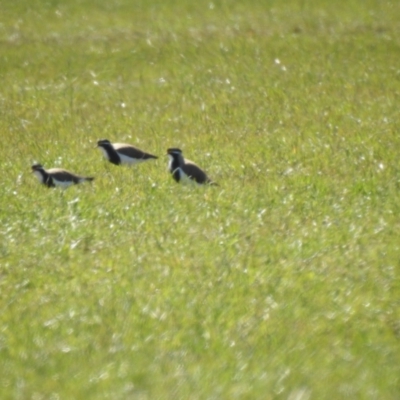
x,y
281,283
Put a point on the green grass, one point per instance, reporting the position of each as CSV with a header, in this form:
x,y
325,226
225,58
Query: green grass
x,y
281,283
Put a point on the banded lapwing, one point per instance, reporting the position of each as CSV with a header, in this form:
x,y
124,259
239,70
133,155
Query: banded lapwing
x,y
184,170
57,177
121,153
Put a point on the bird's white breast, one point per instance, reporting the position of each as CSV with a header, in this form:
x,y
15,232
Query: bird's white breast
x,y
170,161
105,154
39,176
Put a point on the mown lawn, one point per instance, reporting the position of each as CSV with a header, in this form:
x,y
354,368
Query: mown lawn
x,y
282,282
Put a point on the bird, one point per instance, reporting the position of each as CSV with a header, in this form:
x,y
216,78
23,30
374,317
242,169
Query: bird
x,y
184,170
58,177
121,153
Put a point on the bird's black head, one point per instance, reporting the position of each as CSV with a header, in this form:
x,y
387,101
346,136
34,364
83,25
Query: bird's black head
x,y
103,143
37,167
174,151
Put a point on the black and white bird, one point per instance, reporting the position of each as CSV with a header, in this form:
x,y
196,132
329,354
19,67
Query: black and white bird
x,y
184,170
57,177
123,154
